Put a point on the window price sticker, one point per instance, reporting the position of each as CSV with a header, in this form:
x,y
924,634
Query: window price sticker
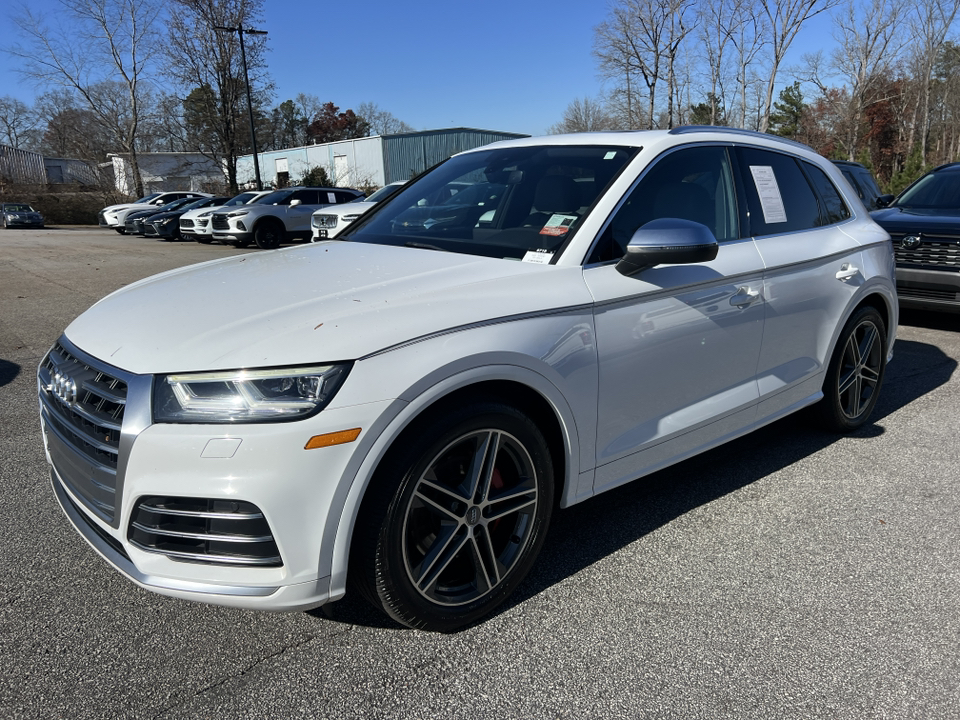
x,y
540,257
770,200
558,224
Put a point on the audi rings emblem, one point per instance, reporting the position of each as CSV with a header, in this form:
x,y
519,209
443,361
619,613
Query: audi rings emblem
x,y
910,242
64,387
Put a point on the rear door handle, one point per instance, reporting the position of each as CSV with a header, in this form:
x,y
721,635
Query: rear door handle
x,y
744,296
847,271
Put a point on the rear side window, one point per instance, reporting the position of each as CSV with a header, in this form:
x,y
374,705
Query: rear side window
x,y
834,209
779,196
307,197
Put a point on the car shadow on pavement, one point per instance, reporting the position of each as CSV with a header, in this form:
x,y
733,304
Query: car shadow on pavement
x,y
930,320
8,372
590,531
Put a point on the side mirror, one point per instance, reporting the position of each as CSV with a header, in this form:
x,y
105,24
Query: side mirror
x,y
294,203
668,240
884,200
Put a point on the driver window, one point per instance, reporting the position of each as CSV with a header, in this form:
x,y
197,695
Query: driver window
x,y
694,183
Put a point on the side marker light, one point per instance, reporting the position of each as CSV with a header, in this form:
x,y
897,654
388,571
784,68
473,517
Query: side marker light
x,y
340,437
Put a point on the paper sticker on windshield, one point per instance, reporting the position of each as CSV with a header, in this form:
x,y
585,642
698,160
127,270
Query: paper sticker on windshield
x,y
769,192
331,198
558,224
541,257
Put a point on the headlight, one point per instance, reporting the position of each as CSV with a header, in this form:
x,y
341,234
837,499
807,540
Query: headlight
x,y
246,396
238,213
167,221
204,214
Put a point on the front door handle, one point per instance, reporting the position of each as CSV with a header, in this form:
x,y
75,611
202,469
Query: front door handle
x,y
744,296
847,271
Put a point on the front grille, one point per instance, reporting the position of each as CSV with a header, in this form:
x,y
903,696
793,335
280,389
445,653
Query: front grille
x,y
202,530
101,218
82,408
220,222
186,223
938,252
150,230
324,221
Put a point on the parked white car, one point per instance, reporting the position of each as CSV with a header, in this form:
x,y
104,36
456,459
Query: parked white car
x,y
326,224
402,411
114,216
277,217
195,225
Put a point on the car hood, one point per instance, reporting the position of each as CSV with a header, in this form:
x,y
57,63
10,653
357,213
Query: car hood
x,y
344,209
902,220
323,302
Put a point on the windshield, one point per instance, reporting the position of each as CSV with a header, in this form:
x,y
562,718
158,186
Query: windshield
x,y
277,197
381,194
17,208
936,190
197,204
241,199
147,198
497,203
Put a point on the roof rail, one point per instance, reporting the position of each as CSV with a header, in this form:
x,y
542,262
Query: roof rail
x,y
689,129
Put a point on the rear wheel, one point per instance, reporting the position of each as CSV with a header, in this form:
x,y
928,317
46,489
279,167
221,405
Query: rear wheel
x,y
268,235
455,518
855,374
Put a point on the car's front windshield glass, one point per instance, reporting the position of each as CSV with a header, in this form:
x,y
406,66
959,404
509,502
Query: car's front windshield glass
x,y
148,198
277,197
17,208
241,199
381,194
502,203
938,190
195,204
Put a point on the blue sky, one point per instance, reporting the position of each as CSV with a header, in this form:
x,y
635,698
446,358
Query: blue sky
x,y
498,65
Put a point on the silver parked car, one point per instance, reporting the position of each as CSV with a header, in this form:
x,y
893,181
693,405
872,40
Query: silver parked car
x,y
399,413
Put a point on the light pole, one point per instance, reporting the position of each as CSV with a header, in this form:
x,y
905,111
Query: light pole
x,y
243,54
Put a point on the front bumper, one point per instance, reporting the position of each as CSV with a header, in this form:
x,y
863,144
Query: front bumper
x,y
295,489
167,231
929,289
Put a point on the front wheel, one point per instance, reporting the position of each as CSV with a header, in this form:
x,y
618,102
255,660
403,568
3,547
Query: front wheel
x,y
455,518
855,374
268,235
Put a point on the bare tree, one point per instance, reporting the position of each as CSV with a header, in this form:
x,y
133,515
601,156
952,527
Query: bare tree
x,y
382,122
785,18
747,33
98,41
930,23
631,43
682,23
17,121
584,115
207,63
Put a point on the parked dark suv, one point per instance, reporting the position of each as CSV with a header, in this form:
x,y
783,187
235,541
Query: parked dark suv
x,y
862,181
924,222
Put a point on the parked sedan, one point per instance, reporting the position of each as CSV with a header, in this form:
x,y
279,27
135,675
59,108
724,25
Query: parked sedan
x,y
166,225
20,215
134,221
924,222
401,412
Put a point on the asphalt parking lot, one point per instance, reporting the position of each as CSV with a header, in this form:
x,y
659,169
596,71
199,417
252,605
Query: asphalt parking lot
x,y
790,574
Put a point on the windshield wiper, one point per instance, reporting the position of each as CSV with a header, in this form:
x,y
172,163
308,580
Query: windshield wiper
x,y
424,246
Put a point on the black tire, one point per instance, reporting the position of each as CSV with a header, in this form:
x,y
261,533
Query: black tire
x,y
855,374
438,501
268,234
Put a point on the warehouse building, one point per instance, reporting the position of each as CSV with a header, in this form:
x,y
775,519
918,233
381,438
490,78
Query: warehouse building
x,y
366,162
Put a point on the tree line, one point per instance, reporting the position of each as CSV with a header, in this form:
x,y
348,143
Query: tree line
x,y
135,76
887,94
